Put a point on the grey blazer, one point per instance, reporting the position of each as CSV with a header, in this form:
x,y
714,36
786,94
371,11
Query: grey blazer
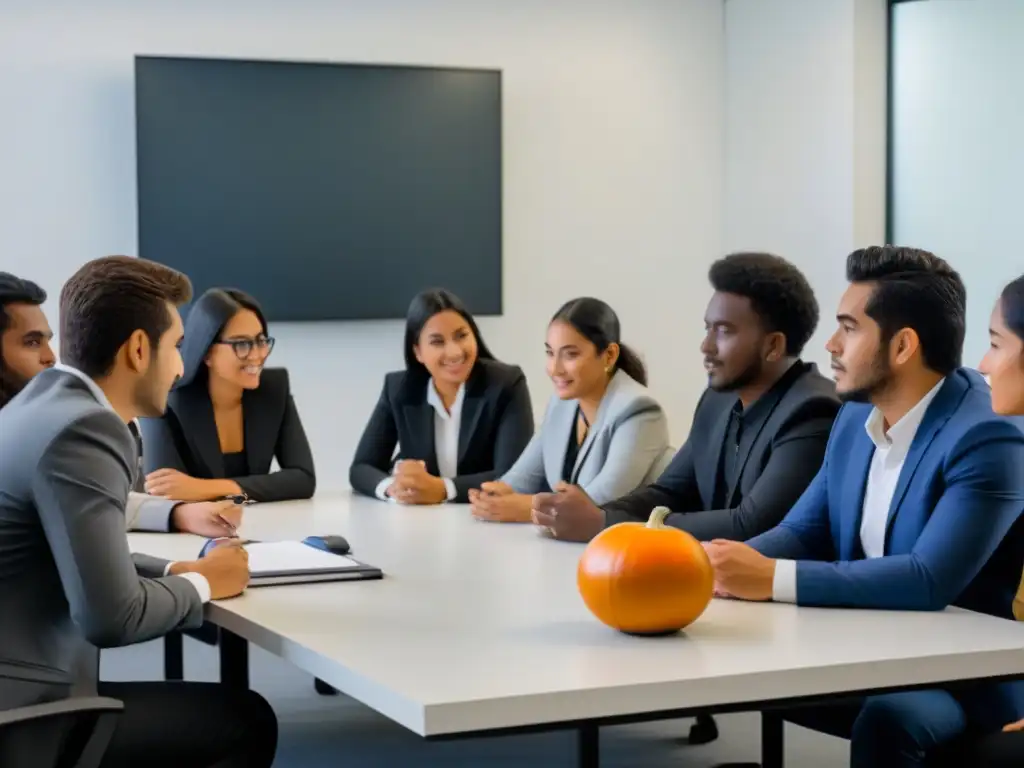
x,y
626,446
68,583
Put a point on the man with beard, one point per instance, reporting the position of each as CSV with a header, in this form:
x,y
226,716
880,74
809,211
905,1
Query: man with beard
x,y
760,429
25,351
24,335
917,506
69,584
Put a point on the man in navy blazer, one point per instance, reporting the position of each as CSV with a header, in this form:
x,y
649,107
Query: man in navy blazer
x,y
916,507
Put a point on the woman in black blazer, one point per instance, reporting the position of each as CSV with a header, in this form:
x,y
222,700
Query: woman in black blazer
x,y
460,417
228,417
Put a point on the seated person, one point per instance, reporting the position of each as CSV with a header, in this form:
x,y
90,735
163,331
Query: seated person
x,y
760,429
69,585
917,505
24,335
25,351
459,417
603,430
1004,365
228,417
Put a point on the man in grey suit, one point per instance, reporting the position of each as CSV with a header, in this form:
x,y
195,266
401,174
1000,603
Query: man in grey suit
x,y
68,584
25,351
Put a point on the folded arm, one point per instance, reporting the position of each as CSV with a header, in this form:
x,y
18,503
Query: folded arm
x,y
80,488
804,533
983,498
296,478
376,449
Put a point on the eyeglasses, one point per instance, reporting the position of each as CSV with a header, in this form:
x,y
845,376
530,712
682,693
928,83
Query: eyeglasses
x,y
244,347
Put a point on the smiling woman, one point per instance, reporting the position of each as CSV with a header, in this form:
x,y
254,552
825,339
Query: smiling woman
x,y
458,416
603,431
228,417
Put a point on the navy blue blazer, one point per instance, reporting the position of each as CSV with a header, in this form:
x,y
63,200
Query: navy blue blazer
x,y
955,534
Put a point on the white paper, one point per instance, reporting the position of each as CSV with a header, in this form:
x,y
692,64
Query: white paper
x,y
277,556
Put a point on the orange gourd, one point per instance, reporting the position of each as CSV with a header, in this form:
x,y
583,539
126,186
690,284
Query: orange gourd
x,y
645,579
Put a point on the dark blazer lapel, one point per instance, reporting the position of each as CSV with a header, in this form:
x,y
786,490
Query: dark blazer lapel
x,y
946,401
195,414
747,441
707,477
261,420
420,419
472,407
856,463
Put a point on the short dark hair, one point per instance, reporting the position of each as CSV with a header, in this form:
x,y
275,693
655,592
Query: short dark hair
x,y
1012,305
424,306
778,292
597,322
918,290
14,290
110,298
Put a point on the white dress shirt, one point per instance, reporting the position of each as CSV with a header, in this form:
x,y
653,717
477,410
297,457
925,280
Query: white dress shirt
x,y
891,449
197,580
446,440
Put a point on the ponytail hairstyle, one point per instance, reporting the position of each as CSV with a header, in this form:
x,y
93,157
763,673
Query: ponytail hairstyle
x,y
1012,305
597,322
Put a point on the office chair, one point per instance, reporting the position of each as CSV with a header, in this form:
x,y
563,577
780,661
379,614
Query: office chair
x,y
92,722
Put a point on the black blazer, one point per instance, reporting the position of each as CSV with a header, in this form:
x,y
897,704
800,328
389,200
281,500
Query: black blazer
x,y
496,425
185,438
777,459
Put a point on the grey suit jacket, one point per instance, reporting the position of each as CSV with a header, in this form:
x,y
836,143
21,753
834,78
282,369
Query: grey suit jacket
x,y
626,446
68,583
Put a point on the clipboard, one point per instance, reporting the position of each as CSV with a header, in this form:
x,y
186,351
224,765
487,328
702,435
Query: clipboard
x,y
272,563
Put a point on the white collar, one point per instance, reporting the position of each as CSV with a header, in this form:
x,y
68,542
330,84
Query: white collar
x,y
901,434
434,399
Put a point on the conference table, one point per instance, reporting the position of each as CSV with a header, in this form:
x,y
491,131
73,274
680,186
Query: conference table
x,y
478,628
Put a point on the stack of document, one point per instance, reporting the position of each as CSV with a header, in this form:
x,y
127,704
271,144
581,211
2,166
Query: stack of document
x,y
292,562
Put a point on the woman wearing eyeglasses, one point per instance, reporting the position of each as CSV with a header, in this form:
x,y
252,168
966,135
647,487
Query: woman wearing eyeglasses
x,y
228,417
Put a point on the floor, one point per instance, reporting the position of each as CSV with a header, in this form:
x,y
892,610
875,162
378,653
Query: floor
x,y
321,731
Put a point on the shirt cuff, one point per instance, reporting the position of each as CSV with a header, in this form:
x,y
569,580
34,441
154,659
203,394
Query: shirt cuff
x,y
381,491
198,581
784,583
450,488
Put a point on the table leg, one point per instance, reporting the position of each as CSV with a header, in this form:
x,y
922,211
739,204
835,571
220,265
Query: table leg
x,y
174,656
588,746
773,747
234,660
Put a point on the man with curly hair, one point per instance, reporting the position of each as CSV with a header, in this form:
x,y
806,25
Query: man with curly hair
x,y
760,429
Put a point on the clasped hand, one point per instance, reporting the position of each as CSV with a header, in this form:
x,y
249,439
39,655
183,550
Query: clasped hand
x,y
568,513
498,503
412,484
741,571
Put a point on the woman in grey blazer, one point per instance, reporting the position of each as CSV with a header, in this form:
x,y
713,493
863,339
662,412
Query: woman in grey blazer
x,y
602,431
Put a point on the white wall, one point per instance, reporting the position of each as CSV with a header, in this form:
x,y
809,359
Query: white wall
x,y
613,123
958,119
805,86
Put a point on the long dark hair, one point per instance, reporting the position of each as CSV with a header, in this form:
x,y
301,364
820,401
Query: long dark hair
x,y
598,323
423,307
204,323
1011,302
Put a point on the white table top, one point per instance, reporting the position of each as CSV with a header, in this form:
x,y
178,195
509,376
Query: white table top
x,y
480,625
